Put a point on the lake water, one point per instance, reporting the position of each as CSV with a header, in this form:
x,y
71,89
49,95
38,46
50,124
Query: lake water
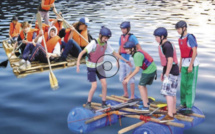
x,y
29,106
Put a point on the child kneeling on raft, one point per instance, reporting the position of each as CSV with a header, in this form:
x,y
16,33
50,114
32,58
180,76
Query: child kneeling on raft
x,y
96,49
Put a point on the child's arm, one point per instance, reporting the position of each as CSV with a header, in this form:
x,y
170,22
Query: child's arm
x,y
79,58
120,57
190,68
131,75
169,65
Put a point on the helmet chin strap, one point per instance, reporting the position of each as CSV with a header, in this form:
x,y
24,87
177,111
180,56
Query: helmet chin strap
x,y
133,52
182,33
161,40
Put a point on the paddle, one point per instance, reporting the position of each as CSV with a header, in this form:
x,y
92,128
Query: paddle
x,y
55,11
52,78
4,63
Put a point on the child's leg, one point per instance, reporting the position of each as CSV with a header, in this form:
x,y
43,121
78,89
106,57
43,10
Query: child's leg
x,y
174,104
132,90
92,90
170,103
104,89
144,95
122,75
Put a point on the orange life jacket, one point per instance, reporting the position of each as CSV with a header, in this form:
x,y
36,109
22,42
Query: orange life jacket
x,y
47,2
45,27
15,29
79,39
51,43
29,35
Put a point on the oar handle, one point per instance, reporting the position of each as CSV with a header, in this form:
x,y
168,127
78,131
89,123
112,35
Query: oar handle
x,y
55,11
124,130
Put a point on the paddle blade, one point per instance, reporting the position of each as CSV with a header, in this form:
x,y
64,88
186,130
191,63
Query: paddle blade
x,y
4,64
39,20
53,81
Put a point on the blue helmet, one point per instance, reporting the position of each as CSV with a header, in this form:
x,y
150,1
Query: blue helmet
x,y
129,44
180,24
161,31
105,31
125,24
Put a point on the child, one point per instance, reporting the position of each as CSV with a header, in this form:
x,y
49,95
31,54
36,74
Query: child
x,y
124,69
168,57
44,8
188,67
96,49
39,53
15,28
144,61
74,43
26,36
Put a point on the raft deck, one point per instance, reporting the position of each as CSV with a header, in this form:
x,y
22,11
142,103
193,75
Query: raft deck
x,y
36,66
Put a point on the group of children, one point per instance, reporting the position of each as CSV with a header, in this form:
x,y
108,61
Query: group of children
x,y
130,50
74,40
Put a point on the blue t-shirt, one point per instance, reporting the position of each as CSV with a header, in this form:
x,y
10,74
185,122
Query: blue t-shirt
x,y
131,38
191,41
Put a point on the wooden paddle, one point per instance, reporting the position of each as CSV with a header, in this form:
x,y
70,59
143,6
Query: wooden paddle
x,y
52,78
55,11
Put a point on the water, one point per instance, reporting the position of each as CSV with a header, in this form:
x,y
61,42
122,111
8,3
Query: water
x,y
29,106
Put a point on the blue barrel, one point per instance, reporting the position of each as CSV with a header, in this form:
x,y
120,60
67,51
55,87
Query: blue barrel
x,y
155,128
77,117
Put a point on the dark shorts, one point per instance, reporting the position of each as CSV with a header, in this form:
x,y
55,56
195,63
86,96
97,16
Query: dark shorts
x,y
92,73
147,79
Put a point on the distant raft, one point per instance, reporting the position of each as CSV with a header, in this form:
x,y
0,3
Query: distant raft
x,y
36,67
81,120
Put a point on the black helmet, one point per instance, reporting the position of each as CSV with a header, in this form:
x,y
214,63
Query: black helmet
x,y
14,18
180,24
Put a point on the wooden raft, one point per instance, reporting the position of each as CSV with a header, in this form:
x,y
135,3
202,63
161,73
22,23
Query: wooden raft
x,y
36,66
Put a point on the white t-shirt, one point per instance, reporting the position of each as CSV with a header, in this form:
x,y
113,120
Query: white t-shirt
x,y
92,47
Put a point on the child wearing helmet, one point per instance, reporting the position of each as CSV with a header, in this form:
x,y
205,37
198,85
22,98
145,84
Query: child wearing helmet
x,y
95,49
73,43
169,76
144,61
188,66
124,69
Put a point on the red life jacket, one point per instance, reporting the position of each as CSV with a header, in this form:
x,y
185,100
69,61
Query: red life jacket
x,y
47,2
45,27
147,59
51,43
163,57
95,55
124,39
186,51
29,35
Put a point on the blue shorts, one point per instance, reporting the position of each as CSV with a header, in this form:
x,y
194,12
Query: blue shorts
x,y
92,73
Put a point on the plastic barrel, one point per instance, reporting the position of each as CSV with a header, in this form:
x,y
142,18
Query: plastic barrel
x,y
77,117
155,128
